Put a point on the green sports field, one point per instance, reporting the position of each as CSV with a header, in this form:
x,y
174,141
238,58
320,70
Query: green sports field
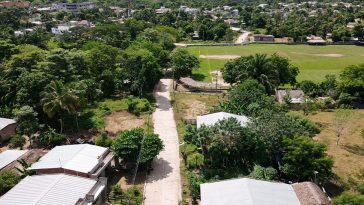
x,y
314,62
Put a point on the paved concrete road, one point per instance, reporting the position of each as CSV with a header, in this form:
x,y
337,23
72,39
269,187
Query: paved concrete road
x,y
163,186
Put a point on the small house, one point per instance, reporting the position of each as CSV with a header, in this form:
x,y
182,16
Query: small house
x,y
81,160
316,40
162,10
258,192
212,119
7,128
263,38
56,189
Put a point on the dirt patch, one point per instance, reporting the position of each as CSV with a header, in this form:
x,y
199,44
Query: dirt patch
x,y
124,179
195,108
119,121
332,55
220,57
220,79
348,155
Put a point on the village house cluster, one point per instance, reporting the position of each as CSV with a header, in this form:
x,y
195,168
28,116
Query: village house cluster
x,y
230,15
69,174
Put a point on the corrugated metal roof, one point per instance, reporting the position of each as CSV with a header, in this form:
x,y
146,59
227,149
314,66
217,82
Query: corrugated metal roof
x,y
10,156
248,192
5,122
53,189
81,158
212,119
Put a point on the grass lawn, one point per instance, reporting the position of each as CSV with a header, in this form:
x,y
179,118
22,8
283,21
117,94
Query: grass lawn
x,y
349,154
314,61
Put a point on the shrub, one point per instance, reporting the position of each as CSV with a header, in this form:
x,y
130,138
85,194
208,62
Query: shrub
x,y
134,194
103,140
348,198
257,173
260,172
138,105
360,188
7,181
308,125
195,160
51,138
362,133
345,100
115,193
194,182
271,173
17,141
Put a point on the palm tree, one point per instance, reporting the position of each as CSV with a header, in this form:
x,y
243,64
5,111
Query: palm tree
x,y
261,70
58,98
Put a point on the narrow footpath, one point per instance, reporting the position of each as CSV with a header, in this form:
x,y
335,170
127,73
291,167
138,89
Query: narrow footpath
x,y
163,186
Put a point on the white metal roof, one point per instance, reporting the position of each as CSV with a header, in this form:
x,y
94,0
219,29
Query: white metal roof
x,y
55,189
81,158
10,156
5,122
248,192
212,119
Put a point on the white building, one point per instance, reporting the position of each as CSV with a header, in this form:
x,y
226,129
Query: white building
x,y
81,160
56,189
9,156
258,192
73,7
60,30
191,11
162,10
248,192
212,119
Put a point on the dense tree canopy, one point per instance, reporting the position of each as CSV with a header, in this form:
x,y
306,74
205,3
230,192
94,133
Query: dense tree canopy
x,y
270,71
303,156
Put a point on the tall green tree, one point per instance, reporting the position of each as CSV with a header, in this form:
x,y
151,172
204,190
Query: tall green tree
x,y
352,82
302,156
358,31
27,120
270,71
57,99
133,144
183,63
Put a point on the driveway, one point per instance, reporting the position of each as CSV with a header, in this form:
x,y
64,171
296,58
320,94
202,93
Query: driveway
x,y
244,37
163,186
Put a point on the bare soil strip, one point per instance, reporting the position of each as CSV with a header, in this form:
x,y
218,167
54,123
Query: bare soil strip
x,y
220,57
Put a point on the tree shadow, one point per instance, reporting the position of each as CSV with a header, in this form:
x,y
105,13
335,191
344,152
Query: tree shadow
x,y
161,170
354,149
332,189
198,76
163,103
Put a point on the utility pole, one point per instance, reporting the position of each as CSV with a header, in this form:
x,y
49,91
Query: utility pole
x,y
217,75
